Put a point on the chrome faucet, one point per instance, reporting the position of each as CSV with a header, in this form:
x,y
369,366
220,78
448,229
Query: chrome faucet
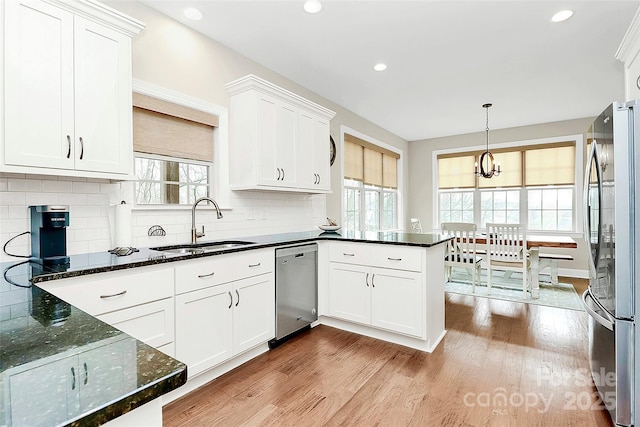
x,y
195,233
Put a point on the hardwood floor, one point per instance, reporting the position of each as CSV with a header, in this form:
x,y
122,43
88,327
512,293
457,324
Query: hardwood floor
x,y
500,364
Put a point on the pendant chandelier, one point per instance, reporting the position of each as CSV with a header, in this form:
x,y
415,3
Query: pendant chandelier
x,y
488,167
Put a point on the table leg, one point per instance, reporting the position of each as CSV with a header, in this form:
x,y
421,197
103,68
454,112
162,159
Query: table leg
x,y
535,272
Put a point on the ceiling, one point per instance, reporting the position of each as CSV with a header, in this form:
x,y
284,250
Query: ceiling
x,y
445,58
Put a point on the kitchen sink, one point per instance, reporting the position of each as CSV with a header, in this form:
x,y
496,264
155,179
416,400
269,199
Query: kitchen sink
x,y
200,248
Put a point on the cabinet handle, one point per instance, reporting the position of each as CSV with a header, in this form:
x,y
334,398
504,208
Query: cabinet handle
x,y
73,378
86,373
278,179
81,148
318,178
366,280
346,254
238,294
202,276
113,295
394,259
254,265
68,146
283,174
373,285
230,299
315,178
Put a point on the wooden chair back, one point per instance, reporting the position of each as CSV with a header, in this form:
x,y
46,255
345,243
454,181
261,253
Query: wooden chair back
x,y
506,242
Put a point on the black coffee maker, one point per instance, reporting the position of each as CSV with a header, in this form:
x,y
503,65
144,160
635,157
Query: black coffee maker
x,y
49,234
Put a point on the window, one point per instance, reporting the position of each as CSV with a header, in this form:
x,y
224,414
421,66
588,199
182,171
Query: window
x,y
173,148
536,187
370,186
162,181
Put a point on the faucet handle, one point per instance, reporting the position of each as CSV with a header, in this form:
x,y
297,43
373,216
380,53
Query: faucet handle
x,y
201,233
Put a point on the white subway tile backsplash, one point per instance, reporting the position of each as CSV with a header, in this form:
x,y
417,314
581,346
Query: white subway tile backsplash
x,y
91,213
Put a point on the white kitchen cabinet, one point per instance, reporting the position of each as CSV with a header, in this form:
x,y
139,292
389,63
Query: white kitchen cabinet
x,y
390,298
629,53
67,89
137,301
84,381
279,140
253,312
216,320
313,158
204,327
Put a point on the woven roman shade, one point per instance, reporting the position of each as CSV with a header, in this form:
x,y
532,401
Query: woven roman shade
x,y
164,128
511,171
370,164
550,166
456,172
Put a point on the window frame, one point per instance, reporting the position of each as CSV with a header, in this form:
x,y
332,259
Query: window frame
x,y
399,219
219,187
578,196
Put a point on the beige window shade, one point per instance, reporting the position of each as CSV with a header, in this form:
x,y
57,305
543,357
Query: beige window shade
x,y
372,167
353,161
389,171
511,171
163,128
456,172
550,166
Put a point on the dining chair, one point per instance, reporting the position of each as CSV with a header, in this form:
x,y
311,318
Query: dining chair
x,y
507,250
416,227
461,250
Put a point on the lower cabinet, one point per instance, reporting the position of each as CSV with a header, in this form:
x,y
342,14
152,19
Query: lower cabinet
x,y
225,305
219,322
384,298
84,381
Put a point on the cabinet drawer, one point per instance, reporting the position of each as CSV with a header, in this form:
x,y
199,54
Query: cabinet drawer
x,y
203,272
350,253
106,292
397,257
253,263
151,323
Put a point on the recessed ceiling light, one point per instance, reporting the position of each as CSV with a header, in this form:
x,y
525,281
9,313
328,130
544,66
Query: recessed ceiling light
x,y
563,15
380,67
193,13
312,6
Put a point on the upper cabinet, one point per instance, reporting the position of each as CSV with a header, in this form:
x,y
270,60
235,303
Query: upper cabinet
x,y
629,53
67,89
278,140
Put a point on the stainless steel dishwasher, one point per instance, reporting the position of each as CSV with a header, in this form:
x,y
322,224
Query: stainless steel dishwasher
x,y
296,291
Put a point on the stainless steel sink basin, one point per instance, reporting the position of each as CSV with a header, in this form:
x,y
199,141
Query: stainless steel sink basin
x,y
199,248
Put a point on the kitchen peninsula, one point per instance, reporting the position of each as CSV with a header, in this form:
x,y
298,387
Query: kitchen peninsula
x,y
45,338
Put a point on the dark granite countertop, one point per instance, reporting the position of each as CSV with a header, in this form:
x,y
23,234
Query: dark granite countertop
x,y
62,366
39,330
98,262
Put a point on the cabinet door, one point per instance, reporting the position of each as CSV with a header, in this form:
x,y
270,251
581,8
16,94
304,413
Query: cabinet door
x,y
276,133
253,312
35,405
203,327
349,292
102,98
397,301
39,111
151,323
313,159
102,373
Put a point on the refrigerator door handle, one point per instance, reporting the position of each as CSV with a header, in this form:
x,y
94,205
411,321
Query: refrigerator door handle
x,y
607,321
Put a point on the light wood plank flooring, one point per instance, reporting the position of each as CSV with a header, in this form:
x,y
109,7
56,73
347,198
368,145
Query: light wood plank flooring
x,y
500,364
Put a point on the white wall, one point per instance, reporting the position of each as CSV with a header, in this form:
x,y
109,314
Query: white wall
x,y
421,194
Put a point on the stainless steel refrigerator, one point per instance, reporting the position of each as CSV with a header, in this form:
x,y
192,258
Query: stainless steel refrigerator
x,y
611,232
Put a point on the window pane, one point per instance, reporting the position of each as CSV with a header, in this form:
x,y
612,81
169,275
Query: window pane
x,y
535,220
456,206
549,220
467,201
486,199
550,199
565,198
372,213
535,199
445,201
169,181
565,220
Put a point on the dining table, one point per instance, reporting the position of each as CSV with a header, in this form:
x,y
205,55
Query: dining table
x,y
534,243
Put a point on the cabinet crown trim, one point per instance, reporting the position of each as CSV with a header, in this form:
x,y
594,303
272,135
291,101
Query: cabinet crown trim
x,y
253,82
96,11
630,45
